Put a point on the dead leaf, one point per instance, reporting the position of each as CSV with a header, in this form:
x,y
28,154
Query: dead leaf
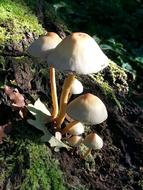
x,y
17,99
42,115
2,134
4,129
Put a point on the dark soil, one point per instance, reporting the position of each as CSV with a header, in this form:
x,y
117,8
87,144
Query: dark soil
x,y
118,165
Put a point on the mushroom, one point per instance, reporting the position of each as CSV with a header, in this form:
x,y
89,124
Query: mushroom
x,y
76,88
41,48
92,141
77,53
74,128
87,108
74,140
58,135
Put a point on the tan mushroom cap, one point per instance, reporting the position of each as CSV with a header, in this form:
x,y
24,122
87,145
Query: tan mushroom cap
x,y
78,53
77,129
43,44
93,141
87,108
74,140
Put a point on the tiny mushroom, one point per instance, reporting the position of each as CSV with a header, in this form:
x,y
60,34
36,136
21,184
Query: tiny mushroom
x,y
74,140
41,48
92,141
76,88
77,53
58,135
74,128
87,108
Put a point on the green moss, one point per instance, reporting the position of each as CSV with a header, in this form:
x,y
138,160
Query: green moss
x,y
116,73
44,172
2,34
33,165
26,164
140,184
16,18
108,91
2,62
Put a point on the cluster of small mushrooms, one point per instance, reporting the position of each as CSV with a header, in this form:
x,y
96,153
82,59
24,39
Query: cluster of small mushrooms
x,y
78,53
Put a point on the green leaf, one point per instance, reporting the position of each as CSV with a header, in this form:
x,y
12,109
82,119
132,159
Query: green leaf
x,y
139,59
106,47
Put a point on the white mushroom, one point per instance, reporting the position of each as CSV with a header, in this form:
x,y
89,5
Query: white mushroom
x,y
76,88
74,128
78,53
41,48
92,141
87,108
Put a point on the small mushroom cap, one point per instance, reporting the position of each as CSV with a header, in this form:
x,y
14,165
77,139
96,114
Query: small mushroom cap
x,y
77,87
78,53
43,44
93,141
77,129
87,108
74,140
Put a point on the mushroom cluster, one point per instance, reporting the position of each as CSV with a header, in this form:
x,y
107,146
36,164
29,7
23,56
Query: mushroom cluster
x,y
78,53
86,108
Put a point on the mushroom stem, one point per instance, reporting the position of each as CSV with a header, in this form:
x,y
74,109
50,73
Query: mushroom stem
x,y
86,154
69,126
53,93
64,99
69,96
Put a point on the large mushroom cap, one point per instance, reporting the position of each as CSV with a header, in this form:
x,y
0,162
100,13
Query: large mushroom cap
x,y
78,53
93,141
43,44
87,108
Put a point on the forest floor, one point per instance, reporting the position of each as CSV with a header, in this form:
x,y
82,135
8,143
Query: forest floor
x,y
27,163
117,166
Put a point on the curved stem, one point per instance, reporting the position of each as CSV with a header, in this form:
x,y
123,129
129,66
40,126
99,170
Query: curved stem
x,y
69,126
86,154
53,93
70,94
64,100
